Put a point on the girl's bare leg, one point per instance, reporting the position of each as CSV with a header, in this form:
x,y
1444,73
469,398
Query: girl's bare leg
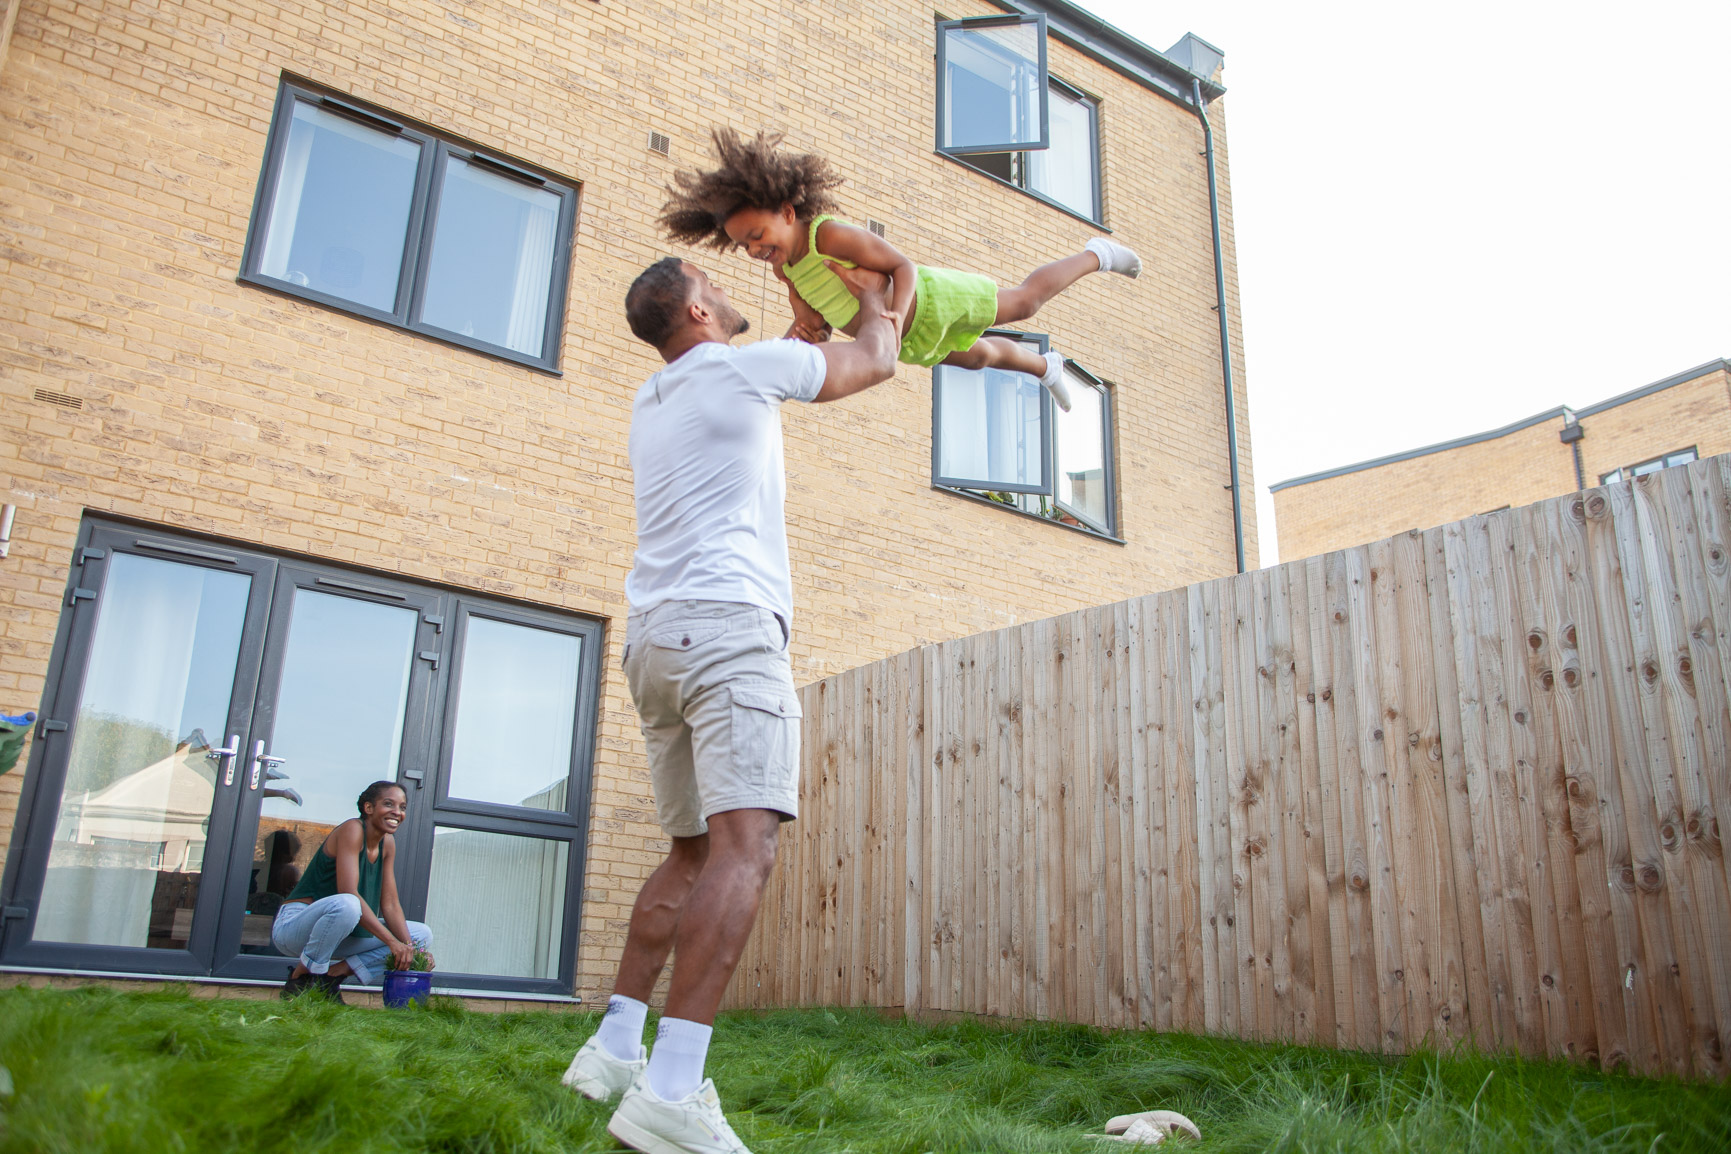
x,y
1044,283
1000,353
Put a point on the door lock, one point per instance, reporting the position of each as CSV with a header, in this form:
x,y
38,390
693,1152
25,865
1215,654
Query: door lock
x,y
226,754
261,759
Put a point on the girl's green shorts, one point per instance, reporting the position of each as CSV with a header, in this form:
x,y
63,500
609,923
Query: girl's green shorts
x,y
951,310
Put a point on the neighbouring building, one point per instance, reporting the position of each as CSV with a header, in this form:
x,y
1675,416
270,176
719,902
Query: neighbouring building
x,y
317,386
1669,422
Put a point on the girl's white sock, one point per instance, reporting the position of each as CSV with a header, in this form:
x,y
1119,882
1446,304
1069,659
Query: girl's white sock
x,y
676,1062
621,1031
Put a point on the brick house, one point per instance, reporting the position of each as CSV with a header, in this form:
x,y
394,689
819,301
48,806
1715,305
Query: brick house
x,y
1669,422
317,386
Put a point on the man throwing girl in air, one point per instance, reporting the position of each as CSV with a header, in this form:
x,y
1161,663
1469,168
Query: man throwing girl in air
x,y
778,207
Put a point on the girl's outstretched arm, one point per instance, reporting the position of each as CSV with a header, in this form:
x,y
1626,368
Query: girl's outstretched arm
x,y
868,250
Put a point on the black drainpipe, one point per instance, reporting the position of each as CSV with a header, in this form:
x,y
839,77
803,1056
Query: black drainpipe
x,y
1225,328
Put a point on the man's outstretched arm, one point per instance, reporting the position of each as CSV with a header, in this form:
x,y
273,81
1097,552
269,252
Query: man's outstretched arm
x,y
870,358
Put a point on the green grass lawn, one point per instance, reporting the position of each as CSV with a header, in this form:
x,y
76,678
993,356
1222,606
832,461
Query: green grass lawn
x,y
99,1071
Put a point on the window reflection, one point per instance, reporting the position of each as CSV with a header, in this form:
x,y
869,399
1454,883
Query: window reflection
x,y
492,262
341,705
497,902
129,837
340,216
990,423
516,713
992,83
1080,455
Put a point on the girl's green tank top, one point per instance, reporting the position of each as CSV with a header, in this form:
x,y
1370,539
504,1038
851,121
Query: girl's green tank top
x,y
818,286
320,880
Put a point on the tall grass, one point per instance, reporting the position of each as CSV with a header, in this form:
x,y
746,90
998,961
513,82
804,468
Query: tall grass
x,y
100,1071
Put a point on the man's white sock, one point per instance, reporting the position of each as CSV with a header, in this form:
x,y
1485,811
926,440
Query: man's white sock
x,y
621,1031
676,1062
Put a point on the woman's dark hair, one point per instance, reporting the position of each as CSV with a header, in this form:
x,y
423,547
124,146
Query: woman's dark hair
x,y
753,174
375,791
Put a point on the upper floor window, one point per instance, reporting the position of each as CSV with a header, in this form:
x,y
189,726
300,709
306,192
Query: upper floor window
x,y
1651,465
1001,112
997,435
364,212
1068,172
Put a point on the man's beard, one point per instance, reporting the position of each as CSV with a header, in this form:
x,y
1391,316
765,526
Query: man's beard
x,y
741,326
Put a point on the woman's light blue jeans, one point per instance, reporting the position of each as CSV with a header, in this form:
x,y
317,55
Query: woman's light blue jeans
x,y
323,932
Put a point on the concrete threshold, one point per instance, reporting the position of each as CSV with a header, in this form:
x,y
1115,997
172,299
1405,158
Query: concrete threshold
x,y
256,989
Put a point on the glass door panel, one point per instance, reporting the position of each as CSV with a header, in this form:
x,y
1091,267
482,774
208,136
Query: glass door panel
x,y
133,824
497,903
336,720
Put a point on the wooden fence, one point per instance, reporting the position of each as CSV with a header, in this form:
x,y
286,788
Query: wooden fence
x,y
1459,784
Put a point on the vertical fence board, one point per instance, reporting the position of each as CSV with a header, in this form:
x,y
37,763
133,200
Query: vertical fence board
x,y
1663,968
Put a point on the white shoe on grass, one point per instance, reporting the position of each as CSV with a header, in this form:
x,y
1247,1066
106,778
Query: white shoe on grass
x,y
692,1125
596,1073
1114,257
1053,381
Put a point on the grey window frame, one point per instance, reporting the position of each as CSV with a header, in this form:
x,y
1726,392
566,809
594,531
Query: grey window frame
x,y
942,54
975,491
423,769
436,150
1018,164
1627,472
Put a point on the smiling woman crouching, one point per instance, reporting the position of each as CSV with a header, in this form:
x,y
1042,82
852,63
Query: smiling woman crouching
x,y
350,883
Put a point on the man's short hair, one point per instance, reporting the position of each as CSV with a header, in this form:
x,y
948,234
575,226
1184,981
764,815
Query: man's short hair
x,y
656,300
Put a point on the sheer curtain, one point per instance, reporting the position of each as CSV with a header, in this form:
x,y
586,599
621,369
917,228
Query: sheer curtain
x,y
527,327
496,903
102,869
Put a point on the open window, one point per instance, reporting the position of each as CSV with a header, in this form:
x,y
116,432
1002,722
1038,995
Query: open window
x,y
992,85
1067,173
997,436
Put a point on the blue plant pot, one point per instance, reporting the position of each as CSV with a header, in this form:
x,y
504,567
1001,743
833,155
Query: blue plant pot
x,y
405,986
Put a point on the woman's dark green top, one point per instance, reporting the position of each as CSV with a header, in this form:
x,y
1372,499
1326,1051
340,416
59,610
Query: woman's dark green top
x,y
320,880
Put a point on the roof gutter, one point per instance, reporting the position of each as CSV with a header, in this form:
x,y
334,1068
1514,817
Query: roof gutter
x,y
1201,108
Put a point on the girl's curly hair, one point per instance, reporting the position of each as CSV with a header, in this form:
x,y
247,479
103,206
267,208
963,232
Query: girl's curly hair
x,y
753,174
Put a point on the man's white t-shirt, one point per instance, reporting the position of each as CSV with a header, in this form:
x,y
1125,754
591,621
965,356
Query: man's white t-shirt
x,y
706,459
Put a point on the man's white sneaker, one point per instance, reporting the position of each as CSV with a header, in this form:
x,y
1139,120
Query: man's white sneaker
x,y
596,1073
1053,381
1114,257
693,1125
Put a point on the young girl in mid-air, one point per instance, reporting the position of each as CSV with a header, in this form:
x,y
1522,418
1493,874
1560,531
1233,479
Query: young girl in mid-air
x,y
777,206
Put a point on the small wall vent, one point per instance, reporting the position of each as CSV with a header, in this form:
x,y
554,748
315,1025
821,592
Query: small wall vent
x,y
877,226
62,399
660,142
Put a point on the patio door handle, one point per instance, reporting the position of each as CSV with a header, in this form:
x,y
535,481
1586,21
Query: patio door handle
x,y
261,759
226,754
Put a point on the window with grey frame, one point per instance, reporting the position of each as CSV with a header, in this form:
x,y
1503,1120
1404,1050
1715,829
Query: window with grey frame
x,y
1067,173
366,212
212,711
1651,465
997,436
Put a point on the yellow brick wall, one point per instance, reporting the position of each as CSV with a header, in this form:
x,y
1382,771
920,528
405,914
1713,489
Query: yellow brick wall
x,y
133,136
1696,412
1519,468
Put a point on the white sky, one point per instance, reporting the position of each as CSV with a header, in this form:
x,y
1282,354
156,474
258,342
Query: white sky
x,y
1452,217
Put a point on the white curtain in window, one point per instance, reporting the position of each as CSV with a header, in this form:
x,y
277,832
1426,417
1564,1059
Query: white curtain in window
x,y
285,209
533,282
1065,172
496,903
102,868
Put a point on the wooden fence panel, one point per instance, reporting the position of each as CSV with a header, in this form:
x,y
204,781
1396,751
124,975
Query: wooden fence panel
x,y
1460,785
